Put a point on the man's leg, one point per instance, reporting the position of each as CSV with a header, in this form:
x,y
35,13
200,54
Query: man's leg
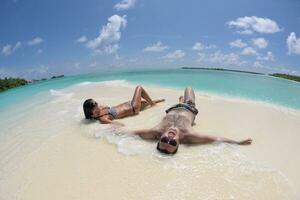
x,y
189,96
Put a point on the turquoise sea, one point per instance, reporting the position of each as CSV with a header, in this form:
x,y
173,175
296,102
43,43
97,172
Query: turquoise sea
x,y
230,84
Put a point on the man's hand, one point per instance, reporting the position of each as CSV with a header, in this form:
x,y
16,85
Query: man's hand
x,y
245,142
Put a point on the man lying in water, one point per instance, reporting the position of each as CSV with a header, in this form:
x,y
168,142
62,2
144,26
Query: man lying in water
x,y
107,114
176,127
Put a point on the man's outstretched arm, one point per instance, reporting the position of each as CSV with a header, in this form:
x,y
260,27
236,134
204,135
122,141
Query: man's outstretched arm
x,y
194,138
148,134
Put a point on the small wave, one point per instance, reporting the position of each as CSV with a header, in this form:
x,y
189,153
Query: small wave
x,y
60,93
60,96
115,82
84,83
120,82
126,143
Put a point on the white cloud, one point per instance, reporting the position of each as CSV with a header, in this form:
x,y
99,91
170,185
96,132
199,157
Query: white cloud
x,y
249,25
260,43
288,71
93,64
125,5
9,49
110,49
109,35
39,51
6,50
258,64
268,57
76,65
238,43
177,54
157,47
37,72
198,46
248,51
6,72
82,39
219,58
35,41
245,32
17,46
27,72
2,72
293,44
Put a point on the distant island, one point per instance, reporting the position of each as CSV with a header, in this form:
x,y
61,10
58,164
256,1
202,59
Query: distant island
x,y
221,69
287,76
9,83
279,75
44,79
60,76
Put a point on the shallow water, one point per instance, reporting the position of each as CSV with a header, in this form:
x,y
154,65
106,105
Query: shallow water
x,y
231,84
48,151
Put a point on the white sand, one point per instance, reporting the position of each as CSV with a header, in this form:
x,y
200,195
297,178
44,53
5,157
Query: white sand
x,y
88,161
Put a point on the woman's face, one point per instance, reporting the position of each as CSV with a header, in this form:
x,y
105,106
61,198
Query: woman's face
x,y
95,110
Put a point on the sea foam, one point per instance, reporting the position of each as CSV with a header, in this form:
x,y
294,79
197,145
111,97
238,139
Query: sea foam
x,y
109,83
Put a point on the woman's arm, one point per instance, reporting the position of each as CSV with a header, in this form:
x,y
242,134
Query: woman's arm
x,y
105,120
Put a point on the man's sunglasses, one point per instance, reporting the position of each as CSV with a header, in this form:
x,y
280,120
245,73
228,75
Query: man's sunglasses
x,y
167,141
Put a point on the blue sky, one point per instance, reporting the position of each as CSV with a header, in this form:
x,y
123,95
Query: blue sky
x,y
44,38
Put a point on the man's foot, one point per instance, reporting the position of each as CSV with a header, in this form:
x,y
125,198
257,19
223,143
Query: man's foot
x,y
180,99
245,142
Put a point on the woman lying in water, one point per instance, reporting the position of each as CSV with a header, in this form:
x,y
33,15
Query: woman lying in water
x,y
107,114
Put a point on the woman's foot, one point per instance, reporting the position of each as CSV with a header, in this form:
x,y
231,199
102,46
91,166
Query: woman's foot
x,y
158,101
146,104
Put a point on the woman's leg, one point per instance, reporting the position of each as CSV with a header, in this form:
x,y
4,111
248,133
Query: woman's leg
x,y
136,101
144,103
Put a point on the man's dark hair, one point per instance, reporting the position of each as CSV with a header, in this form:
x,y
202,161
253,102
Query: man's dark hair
x,y
165,151
88,106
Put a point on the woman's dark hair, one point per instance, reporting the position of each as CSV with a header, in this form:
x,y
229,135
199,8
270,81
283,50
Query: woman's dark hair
x,y
88,106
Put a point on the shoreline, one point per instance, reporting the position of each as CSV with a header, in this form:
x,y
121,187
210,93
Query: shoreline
x,y
210,94
203,92
282,76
